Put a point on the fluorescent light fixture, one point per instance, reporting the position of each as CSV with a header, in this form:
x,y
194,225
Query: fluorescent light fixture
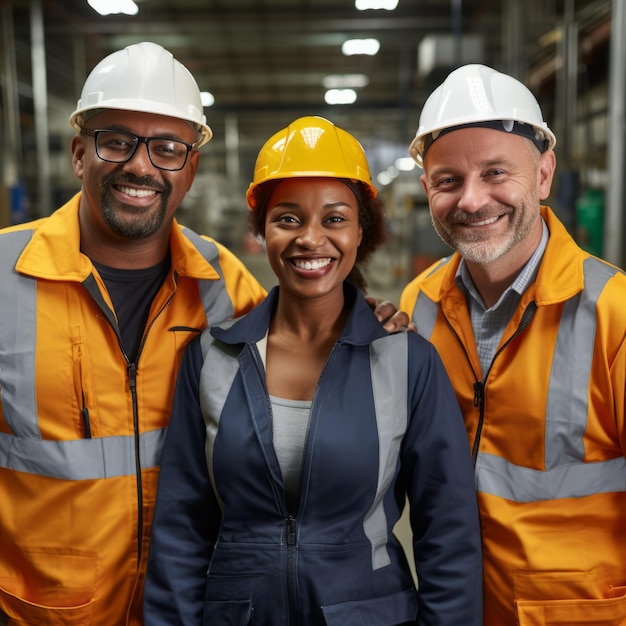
x,y
346,81
384,178
340,96
208,100
360,46
389,175
405,164
108,7
387,5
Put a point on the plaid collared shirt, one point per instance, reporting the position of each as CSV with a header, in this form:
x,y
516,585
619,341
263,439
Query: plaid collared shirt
x,y
489,324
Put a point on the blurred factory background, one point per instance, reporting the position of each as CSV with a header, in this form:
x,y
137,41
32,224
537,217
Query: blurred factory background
x,y
265,62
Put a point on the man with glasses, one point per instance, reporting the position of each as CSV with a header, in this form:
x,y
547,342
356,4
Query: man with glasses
x,y
97,303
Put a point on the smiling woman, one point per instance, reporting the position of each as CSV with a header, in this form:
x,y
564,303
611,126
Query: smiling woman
x,y
312,147
312,235
299,431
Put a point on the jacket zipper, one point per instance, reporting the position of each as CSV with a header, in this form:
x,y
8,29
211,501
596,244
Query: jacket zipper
x,y
85,415
479,386
132,383
80,391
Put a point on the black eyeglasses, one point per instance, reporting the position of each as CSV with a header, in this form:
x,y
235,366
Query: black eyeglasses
x,y
117,146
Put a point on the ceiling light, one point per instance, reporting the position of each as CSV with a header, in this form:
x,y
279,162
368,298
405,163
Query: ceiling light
x,y
387,5
384,178
108,7
405,164
339,81
208,100
340,96
360,46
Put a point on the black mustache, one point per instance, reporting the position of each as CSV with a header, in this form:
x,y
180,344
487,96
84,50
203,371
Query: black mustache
x,y
129,179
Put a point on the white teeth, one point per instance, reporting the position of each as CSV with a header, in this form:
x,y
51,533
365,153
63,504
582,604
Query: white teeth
x,y
315,264
491,220
138,193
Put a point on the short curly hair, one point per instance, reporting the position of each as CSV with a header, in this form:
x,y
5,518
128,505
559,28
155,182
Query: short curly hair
x,y
372,220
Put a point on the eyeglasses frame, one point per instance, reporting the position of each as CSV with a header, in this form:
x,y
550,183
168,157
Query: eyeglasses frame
x,y
91,132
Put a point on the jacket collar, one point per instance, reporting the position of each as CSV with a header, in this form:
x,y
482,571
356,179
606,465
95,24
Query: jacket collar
x,y
54,252
362,327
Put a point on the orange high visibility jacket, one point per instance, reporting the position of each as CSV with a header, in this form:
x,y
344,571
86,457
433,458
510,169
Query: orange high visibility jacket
x,y
81,429
548,435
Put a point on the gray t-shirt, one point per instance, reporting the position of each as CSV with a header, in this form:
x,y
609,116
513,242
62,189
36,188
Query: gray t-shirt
x,y
290,423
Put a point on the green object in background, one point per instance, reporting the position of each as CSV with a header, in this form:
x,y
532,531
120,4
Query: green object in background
x,y
590,221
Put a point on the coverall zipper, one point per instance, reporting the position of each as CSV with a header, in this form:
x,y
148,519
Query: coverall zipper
x,y
292,585
292,531
291,524
281,500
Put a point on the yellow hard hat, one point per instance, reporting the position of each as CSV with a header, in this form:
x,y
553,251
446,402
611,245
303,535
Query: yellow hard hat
x,y
310,147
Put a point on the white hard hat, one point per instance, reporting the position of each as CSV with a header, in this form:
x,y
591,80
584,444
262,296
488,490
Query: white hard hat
x,y
477,95
144,77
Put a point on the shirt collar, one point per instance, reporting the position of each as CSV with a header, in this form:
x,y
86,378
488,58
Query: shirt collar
x,y
523,279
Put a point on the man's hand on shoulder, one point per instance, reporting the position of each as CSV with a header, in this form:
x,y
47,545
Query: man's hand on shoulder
x,y
388,315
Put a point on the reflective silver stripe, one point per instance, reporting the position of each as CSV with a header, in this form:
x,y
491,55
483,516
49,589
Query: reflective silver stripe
x,y
566,411
217,304
566,474
425,310
80,459
425,315
389,377
218,373
497,477
18,312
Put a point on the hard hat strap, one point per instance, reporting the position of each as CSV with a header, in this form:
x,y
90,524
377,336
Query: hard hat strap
x,y
508,126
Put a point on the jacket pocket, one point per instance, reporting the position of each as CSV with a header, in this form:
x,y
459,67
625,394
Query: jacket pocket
x,y
568,599
227,613
53,587
607,612
83,391
397,608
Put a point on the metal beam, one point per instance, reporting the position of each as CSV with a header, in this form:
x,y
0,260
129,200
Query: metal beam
x,y
614,231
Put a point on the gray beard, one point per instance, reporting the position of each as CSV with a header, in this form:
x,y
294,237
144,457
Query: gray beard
x,y
483,251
